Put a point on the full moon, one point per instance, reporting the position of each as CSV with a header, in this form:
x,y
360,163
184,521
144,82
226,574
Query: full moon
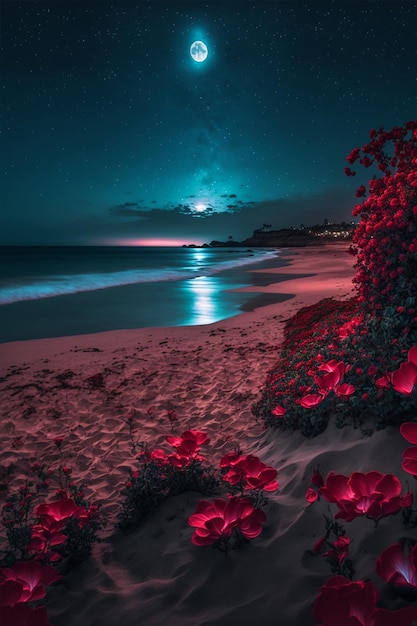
x,y
199,51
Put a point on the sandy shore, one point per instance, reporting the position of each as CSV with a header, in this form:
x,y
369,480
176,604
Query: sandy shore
x,y
210,376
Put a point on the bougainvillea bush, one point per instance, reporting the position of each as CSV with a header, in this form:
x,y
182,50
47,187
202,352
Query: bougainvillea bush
x,y
385,241
358,358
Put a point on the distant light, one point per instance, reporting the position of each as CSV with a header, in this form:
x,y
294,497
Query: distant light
x,y
200,207
152,241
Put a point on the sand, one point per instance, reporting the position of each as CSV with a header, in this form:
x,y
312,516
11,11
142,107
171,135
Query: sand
x,y
210,376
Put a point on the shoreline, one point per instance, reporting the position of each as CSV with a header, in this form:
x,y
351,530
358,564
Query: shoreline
x,y
305,280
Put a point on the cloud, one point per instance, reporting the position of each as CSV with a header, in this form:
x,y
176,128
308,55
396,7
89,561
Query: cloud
x,y
240,219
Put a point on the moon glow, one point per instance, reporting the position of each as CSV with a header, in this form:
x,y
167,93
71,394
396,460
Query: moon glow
x,y
199,51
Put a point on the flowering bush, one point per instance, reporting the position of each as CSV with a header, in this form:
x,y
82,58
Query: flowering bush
x,y
160,475
354,603
63,528
302,392
385,243
373,495
225,523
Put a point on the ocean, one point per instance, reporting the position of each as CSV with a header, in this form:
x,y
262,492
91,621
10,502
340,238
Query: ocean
x,y
60,291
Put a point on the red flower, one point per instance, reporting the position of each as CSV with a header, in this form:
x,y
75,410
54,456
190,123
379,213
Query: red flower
x,y
196,437
255,474
409,432
187,447
279,411
409,462
230,459
311,400
383,382
343,602
158,455
372,494
258,475
217,520
328,381
341,546
59,510
412,355
341,549
398,568
31,577
344,390
311,495
404,378
333,366
317,479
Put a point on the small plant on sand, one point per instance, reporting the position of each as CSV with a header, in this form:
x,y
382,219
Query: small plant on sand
x,y
228,524
159,475
47,530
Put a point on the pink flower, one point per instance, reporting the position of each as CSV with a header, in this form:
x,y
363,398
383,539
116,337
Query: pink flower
x,y
404,378
344,390
255,474
31,577
409,462
333,366
409,432
311,400
328,381
398,568
279,411
317,479
341,546
311,495
230,459
218,519
187,447
412,355
343,602
340,549
58,510
383,382
258,475
372,494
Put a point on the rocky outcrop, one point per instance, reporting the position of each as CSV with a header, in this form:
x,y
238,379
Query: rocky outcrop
x,y
287,237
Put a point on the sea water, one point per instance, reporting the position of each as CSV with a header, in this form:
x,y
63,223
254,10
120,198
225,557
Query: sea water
x,y
57,291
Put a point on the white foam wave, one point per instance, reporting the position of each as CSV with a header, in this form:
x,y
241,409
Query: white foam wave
x,y
62,285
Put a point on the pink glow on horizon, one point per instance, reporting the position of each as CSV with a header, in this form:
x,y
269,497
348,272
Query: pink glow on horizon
x,y
147,242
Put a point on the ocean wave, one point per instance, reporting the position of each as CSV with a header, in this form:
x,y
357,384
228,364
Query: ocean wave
x,y
62,285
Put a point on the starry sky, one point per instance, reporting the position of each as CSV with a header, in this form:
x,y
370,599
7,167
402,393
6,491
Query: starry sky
x,y
113,134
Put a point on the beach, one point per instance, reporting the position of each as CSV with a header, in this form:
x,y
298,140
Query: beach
x,y
208,376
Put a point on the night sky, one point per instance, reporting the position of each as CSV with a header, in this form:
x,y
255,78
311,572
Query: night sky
x,y
112,133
